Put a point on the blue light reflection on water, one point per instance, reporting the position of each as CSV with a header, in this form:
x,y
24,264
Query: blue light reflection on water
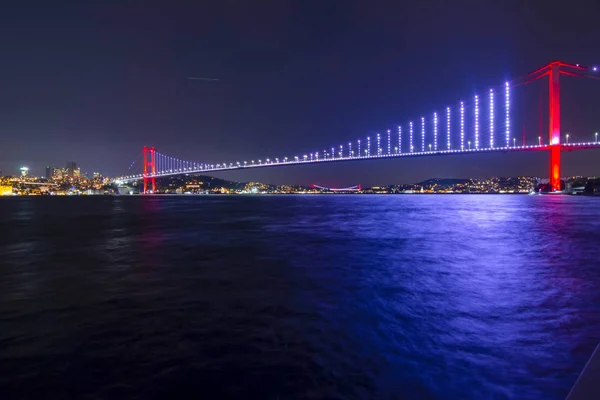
x,y
329,296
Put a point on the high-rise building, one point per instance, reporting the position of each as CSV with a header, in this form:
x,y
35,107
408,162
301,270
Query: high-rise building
x,y
71,168
24,171
60,173
49,172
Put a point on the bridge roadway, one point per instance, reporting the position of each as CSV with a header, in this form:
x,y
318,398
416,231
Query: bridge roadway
x,y
301,161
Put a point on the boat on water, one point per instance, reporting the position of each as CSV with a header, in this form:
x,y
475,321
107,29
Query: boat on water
x,y
534,193
553,193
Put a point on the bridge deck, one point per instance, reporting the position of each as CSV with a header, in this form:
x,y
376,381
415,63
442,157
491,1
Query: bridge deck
x,y
302,161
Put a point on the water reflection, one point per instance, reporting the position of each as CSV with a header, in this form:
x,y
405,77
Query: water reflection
x,y
295,296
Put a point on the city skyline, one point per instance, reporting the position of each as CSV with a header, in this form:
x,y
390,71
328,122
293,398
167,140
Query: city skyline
x,y
65,182
305,88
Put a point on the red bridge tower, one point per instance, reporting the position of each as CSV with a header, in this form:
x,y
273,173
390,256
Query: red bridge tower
x,y
553,71
149,168
554,95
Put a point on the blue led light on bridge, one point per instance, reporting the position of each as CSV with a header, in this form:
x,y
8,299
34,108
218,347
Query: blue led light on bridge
x,y
410,130
492,118
435,131
399,139
507,109
389,143
448,144
423,134
163,165
476,122
462,125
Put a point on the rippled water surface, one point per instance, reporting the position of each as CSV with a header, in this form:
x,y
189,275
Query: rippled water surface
x,y
418,297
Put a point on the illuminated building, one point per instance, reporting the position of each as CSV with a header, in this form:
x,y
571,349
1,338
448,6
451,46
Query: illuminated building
x,y
24,171
49,172
6,190
71,167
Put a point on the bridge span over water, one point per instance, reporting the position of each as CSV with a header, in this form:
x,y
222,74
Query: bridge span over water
x,y
483,124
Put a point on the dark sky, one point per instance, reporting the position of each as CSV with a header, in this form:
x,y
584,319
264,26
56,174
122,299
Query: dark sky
x,y
95,82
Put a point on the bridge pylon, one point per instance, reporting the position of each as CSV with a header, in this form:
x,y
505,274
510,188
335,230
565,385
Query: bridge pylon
x,y
149,168
554,95
553,70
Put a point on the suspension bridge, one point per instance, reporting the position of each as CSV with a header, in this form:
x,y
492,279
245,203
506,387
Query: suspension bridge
x,y
347,189
483,124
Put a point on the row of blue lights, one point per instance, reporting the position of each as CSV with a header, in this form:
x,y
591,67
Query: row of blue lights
x,y
305,159
169,165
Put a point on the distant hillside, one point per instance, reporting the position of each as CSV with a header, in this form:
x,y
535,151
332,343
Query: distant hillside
x,y
207,182
444,182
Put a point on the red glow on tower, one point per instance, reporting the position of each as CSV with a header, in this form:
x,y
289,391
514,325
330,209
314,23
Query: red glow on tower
x,y
554,91
553,71
149,161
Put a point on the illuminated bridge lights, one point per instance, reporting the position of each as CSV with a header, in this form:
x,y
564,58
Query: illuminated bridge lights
x,y
399,139
163,165
389,145
476,122
507,110
448,142
410,131
462,125
492,118
435,131
423,134
304,159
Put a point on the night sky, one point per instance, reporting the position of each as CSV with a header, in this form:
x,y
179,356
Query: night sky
x,y
95,82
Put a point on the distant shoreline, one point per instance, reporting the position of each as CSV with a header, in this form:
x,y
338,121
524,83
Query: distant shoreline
x,y
289,194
